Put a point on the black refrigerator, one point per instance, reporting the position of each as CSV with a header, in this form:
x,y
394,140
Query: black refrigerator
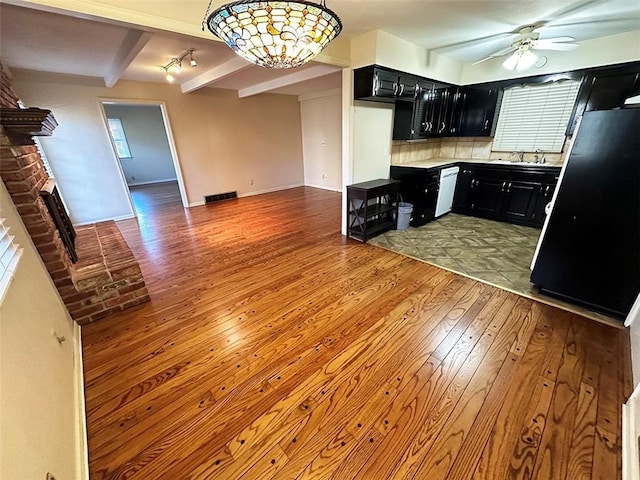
x,y
589,249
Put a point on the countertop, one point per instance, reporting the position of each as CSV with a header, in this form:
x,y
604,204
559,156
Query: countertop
x,y
442,162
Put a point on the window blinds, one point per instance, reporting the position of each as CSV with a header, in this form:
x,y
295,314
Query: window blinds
x,y
535,117
9,256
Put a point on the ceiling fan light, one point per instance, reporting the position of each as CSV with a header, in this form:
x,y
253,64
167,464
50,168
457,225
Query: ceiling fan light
x,y
527,59
511,62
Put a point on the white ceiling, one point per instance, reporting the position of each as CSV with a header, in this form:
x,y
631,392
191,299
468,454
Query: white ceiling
x,y
463,30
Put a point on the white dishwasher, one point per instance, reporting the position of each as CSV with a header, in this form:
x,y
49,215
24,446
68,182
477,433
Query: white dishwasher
x,y
448,177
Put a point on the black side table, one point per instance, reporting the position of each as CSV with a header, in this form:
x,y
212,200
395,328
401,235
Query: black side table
x,y
372,208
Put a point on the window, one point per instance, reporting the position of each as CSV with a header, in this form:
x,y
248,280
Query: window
x,y
535,117
119,138
9,256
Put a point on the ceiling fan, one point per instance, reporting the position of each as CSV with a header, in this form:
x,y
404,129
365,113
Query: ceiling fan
x,y
522,56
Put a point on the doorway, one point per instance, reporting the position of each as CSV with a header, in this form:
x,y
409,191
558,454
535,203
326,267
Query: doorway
x,y
146,155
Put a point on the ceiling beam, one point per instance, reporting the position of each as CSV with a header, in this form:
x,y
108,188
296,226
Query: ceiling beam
x,y
131,46
285,80
215,74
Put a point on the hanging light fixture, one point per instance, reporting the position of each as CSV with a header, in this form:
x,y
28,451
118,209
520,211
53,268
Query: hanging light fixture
x,y
274,34
175,65
521,59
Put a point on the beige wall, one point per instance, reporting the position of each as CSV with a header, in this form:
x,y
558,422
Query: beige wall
x,y
223,143
322,140
372,129
40,407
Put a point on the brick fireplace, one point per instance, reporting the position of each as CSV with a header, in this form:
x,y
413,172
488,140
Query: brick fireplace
x,y
106,278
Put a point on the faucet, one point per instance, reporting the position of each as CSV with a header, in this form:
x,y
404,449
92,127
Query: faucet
x,y
537,159
520,156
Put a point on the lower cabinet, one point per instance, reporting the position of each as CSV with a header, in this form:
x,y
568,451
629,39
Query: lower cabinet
x,y
517,194
419,187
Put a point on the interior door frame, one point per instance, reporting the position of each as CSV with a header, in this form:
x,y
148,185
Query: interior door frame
x,y
168,132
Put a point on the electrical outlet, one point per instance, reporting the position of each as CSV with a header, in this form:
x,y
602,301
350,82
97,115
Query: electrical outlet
x,y
323,144
324,177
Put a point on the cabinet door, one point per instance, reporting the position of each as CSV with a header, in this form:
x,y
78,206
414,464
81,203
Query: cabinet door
x,y
407,88
479,111
486,196
462,196
385,84
519,201
456,109
543,197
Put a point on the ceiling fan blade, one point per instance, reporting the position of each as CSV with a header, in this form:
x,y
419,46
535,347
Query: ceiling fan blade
x,y
499,53
558,39
547,45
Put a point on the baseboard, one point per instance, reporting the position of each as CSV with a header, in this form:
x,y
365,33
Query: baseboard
x,y
115,219
270,190
323,187
82,449
168,180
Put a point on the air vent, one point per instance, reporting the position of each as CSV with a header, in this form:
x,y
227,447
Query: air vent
x,y
219,197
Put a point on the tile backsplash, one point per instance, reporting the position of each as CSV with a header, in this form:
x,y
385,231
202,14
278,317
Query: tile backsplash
x,y
476,148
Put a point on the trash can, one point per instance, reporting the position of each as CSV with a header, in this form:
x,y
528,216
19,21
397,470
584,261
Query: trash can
x,y
404,215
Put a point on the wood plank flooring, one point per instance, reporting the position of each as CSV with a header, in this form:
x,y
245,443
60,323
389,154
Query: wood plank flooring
x,y
274,348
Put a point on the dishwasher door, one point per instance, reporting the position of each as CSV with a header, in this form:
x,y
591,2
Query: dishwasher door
x,y
448,177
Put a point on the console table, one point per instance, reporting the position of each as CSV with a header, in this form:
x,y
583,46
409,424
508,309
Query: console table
x,y
372,208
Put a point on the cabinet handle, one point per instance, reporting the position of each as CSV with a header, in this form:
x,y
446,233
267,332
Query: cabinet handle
x,y
376,81
546,191
442,127
486,124
504,184
395,89
401,89
509,188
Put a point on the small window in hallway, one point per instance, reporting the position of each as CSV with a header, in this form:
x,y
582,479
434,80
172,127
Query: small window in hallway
x,y
119,138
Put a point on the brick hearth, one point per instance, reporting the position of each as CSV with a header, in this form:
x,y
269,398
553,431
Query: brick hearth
x,y
106,278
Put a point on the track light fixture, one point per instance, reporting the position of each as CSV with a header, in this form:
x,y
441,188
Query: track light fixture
x,y
175,65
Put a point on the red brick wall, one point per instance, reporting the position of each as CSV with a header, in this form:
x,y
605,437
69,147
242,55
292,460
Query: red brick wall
x,y
23,173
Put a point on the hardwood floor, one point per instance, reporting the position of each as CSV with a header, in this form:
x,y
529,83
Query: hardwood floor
x,y
155,197
274,348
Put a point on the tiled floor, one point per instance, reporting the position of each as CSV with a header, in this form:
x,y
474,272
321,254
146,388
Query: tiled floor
x,y
494,252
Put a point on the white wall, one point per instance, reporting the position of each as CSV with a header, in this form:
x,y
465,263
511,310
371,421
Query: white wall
x,y
321,116
223,143
633,322
150,160
40,407
372,131
624,47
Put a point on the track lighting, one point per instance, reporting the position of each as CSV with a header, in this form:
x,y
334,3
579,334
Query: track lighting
x,y
175,65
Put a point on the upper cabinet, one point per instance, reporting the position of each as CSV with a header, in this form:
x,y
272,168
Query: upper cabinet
x,y
605,90
377,84
479,111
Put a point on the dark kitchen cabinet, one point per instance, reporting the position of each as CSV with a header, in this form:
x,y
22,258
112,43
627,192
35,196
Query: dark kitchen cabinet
x,y
479,111
440,108
486,196
514,194
519,201
419,187
462,196
378,84
604,91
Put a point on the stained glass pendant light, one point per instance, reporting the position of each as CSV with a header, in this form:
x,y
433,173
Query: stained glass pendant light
x,y
274,34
